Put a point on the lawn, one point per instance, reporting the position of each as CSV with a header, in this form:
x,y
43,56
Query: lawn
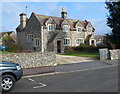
x,y
5,52
82,54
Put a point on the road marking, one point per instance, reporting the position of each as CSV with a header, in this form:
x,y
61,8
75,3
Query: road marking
x,y
30,79
41,85
56,73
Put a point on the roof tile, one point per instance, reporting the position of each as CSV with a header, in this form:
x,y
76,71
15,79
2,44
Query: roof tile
x,y
59,20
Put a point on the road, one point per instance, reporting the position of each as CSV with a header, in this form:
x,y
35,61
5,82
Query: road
x,y
104,79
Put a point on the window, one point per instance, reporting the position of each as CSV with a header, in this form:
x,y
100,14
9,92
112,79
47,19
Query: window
x,y
37,42
65,28
29,37
89,29
79,41
51,27
79,29
66,42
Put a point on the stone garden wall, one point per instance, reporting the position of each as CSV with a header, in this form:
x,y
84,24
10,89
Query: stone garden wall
x,y
31,60
106,54
115,54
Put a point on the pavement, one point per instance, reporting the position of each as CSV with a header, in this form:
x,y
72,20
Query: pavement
x,y
69,63
63,68
60,60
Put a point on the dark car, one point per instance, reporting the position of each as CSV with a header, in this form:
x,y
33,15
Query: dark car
x,y
9,74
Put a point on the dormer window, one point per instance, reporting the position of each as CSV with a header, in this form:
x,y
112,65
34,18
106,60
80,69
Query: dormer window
x,y
89,29
65,28
79,29
51,27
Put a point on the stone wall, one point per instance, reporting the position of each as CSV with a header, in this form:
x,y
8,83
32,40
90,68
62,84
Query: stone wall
x,y
31,60
115,54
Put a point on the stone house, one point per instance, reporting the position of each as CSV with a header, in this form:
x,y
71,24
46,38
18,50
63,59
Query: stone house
x,y
53,34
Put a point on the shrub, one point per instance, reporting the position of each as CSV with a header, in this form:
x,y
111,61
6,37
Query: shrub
x,y
91,48
69,49
84,47
14,48
81,46
11,45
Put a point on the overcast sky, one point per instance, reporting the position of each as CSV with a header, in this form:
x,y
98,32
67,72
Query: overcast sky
x,y
91,11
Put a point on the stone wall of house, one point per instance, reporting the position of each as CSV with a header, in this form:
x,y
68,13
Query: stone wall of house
x,y
31,60
32,27
115,54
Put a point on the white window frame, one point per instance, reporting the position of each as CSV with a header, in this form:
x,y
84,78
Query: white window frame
x,y
67,42
89,29
51,27
30,37
79,41
65,28
36,42
78,29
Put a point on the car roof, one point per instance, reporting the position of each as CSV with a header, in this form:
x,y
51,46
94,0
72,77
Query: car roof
x,y
6,62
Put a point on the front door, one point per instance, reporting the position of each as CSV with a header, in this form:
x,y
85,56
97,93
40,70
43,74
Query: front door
x,y
58,46
92,42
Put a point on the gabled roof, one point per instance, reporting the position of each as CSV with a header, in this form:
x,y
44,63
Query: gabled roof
x,y
59,20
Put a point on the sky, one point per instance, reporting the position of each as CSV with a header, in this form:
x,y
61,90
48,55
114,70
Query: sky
x,y
94,12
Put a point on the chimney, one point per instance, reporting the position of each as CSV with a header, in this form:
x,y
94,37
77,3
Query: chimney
x,y
64,13
23,20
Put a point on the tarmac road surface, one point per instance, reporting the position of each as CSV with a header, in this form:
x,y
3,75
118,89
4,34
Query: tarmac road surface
x,y
104,79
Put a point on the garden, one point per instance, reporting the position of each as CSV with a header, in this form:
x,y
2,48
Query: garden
x,y
83,50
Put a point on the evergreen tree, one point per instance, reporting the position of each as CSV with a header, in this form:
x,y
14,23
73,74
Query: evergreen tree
x,y
113,21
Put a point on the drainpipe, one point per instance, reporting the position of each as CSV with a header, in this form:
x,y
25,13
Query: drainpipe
x,y
42,39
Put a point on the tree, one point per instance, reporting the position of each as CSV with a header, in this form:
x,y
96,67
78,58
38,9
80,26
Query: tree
x,y
11,45
113,21
8,40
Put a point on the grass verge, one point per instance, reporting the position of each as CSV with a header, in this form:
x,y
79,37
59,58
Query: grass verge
x,y
82,54
5,52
